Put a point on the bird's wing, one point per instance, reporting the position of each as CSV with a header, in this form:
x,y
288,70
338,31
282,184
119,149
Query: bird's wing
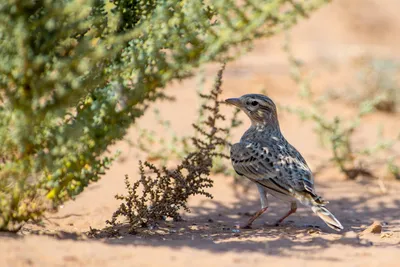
x,y
251,160
279,168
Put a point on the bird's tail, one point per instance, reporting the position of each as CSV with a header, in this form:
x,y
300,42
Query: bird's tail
x,y
327,217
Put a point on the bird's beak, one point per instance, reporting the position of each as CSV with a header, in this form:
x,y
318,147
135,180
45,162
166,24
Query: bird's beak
x,y
233,101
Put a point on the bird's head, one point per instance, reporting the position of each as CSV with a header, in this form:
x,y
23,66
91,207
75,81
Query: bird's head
x,y
260,108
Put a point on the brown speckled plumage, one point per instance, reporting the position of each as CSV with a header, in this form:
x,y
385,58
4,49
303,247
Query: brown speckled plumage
x,y
265,157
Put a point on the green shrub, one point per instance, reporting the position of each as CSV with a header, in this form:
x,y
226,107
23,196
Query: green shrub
x,y
337,133
74,75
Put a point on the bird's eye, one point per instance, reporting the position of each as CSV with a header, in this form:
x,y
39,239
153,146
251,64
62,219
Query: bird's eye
x,y
254,103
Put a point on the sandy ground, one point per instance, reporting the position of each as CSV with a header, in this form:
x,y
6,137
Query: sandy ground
x,y
329,42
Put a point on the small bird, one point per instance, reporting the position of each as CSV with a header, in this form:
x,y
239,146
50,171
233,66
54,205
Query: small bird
x,y
265,157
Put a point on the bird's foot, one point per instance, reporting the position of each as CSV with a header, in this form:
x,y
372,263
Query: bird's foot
x,y
280,222
272,224
246,226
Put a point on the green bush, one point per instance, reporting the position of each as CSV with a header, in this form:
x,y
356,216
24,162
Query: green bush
x,y
74,75
337,133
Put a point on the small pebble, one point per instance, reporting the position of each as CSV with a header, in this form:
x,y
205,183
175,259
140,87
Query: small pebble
x,y
374,228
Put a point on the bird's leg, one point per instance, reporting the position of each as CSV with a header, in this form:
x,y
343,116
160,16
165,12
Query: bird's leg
x,y
264,207
293,208
253,218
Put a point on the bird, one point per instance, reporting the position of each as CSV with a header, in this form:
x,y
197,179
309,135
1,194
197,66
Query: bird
x,y
264,156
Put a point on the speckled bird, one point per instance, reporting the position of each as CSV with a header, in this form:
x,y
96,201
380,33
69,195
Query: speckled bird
x,y
265,157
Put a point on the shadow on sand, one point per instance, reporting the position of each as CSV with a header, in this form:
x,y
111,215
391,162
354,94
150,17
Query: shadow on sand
x,y
211,226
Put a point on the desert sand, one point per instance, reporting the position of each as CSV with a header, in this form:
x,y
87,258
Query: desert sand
x,y
329,43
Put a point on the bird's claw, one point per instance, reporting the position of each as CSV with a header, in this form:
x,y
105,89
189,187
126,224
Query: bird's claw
x,y
246,226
